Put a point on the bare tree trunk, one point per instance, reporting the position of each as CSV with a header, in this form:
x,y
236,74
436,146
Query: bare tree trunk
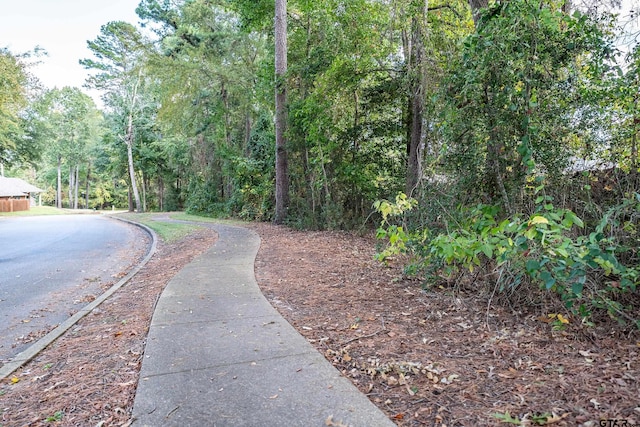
x,y
282,176
144,191
416,104
160,193
247,133
130,198
132,173
128,139
70,189
76,184
87,186
59,185
224,94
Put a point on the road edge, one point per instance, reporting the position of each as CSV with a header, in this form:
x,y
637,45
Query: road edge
x,y
25,356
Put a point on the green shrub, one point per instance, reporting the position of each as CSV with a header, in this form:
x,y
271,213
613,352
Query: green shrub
x,y
550,249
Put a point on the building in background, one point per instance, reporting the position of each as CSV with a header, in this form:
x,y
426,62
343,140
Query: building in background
x,y
16,195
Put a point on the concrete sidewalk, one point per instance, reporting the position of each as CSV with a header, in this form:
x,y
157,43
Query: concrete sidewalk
x,y
218,354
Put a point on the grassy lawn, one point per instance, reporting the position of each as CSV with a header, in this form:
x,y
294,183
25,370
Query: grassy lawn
x,y
167,231
40,210
182,216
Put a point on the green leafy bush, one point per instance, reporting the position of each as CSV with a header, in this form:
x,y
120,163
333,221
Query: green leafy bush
x,y
549,249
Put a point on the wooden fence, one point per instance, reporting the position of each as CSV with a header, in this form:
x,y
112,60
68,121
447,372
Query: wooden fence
x,y
13,205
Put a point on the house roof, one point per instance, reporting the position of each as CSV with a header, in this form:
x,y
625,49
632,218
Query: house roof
x,y
14,187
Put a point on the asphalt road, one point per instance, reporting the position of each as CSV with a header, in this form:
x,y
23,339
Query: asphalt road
x,y
51,266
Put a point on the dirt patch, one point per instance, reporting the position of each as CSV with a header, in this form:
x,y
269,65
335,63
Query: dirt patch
x,y
425,358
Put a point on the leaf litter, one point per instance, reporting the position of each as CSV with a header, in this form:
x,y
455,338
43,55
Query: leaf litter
x,y
439,357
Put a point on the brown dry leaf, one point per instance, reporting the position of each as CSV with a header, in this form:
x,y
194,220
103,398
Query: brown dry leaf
x,y
556,418
449,379
511,374
434,378
330,423
402,380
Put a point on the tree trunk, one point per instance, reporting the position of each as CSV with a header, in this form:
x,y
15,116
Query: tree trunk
x,y
70,189
160,193
416,105
128,139
224,94
247,133
144,191
130,198
76,184
282,178
87,186
59,185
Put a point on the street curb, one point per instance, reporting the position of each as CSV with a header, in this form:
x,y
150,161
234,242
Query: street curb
x,y
25,356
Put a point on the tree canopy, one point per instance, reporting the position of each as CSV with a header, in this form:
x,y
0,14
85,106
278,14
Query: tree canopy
x,y
13,99
462,114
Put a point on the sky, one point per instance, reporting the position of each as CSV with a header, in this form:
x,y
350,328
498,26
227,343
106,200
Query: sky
x,y
62,28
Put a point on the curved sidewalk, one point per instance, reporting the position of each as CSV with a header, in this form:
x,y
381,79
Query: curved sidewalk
x,y
218,354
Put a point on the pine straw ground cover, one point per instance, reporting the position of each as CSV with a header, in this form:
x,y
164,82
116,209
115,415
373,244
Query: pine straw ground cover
x,y
425,358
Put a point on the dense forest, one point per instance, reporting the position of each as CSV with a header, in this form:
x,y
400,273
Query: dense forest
x,y
484,139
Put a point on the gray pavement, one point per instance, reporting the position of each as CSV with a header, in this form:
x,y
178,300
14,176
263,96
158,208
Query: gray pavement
x,y
218,354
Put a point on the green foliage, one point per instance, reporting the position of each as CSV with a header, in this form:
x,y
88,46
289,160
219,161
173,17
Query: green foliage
x,y
346,95
506,418
396,234
254,174
621,115
55,417
67,126
254,14
541,249
210,113
13,99
512,96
